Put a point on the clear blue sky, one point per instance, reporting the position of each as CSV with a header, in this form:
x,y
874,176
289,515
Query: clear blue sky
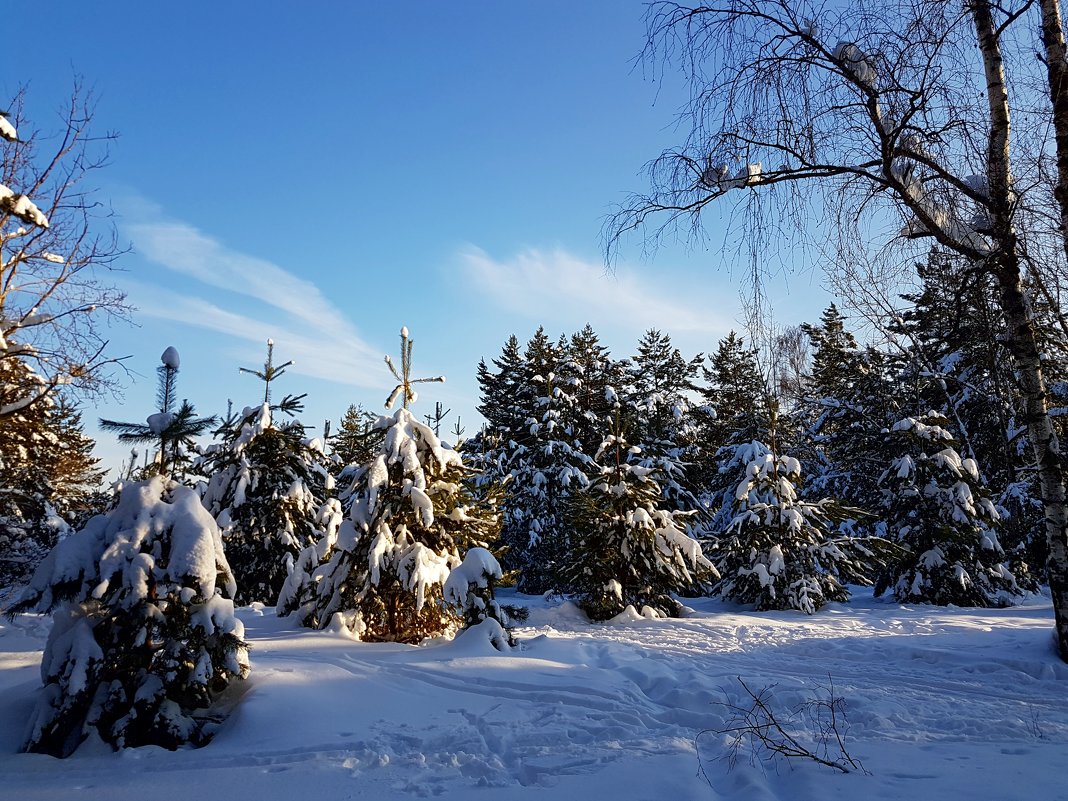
x,y
324,173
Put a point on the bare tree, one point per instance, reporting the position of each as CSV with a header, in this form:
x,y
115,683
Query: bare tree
x,y
56,238
875,129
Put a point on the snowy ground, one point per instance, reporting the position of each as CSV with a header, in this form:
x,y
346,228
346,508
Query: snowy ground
x,y
942,704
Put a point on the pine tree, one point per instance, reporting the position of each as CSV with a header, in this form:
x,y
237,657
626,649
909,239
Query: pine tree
x,y
174,427
936,507
781,552
626,548
144,635
266,485
412,517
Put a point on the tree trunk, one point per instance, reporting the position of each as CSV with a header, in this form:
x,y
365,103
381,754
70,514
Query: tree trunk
x,y
1021,341
1057,74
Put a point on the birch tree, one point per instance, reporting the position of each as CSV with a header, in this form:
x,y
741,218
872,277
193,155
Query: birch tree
x,y
877,128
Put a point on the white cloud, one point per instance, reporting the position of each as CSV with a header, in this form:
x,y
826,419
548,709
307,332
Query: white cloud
x,y
317,336
547,286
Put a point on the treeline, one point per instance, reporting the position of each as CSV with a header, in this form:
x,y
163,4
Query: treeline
x,y
905,465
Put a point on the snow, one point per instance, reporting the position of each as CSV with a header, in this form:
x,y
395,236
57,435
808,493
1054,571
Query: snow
x,y
21,207
7,130
158,422
942,703
170,358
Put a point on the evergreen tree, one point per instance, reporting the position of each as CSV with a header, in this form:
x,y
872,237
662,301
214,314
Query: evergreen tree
x,y
591,381
626,548
736,393
936,506
470,588
357,439
76,476
144,634
781,552
852,403
412,516
174,427
266,485
29,523
48,476
659,387
545,464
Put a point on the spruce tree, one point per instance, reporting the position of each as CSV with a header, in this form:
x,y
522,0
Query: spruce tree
x,y
627,548
735,391
470,589
545,464
357,438
937,508
780,551
658,389
852,402
144,636
49,479
29,522
174,427
265,487
412,516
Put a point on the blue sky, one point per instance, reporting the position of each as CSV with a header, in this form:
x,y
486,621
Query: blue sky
x,y
325,173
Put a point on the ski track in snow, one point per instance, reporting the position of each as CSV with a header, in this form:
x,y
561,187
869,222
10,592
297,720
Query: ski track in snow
x,y
941,703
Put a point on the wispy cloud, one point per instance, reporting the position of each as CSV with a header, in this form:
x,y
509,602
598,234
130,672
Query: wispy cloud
x,y
537,284
318,336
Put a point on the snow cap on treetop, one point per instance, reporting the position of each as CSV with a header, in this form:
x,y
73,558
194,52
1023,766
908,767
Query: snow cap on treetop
x,y
170,358
404,331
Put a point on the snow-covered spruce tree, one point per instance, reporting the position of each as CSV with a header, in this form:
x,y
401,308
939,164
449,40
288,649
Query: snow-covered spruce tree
x,y
174,427
412,516
782,552
266,489
937,508
530,446
144,636
357,439
851,401
470,588
627,549
658,390
29,524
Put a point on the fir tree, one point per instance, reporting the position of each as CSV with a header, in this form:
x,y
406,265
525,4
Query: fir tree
x,y
144,635
412,516
626,548
937,508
